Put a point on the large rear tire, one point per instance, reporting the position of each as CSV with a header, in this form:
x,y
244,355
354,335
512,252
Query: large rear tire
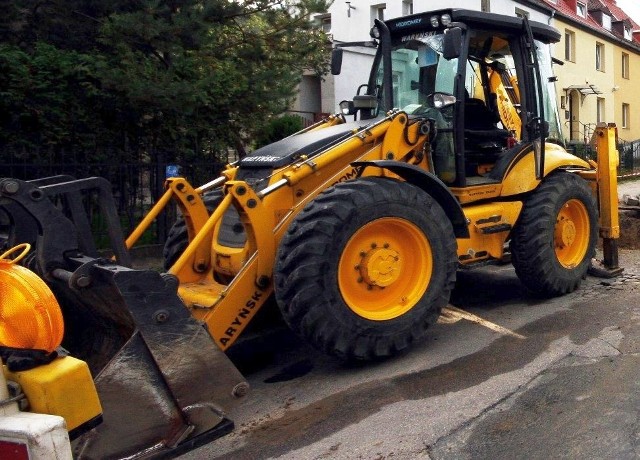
x,y
365,268
554,239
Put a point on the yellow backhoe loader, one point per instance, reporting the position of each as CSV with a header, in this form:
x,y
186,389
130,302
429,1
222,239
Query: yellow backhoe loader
x,y
448,158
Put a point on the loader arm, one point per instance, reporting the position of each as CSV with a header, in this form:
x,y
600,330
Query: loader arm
x,y
227,308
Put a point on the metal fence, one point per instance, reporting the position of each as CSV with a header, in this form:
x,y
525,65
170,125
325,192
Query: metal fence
x,y
629,156
308,118
629,159
136,186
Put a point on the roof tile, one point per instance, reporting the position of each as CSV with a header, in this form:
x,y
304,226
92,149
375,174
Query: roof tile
x,y
568,8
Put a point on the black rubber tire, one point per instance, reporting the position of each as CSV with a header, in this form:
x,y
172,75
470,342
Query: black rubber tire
x,y
533,238
306,271
178,237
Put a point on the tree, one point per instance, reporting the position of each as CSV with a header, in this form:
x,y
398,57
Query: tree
x,y
165,80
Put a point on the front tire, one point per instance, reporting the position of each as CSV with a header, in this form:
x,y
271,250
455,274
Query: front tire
x,y
554,240
365,268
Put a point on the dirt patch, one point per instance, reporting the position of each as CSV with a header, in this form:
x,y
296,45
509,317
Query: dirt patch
x,y
629,229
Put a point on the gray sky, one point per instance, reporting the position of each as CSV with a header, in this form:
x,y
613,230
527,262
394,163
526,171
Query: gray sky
x,y
631,7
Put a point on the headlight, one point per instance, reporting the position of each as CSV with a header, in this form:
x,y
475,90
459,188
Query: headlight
x,y
30,316
441,100
346,107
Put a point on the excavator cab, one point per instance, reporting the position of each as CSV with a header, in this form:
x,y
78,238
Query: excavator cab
x,y
482,79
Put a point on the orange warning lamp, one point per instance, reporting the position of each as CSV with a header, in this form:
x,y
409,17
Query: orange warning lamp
x,y
30,316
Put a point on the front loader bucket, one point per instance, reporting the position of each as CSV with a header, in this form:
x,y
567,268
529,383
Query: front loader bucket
x,y
164,385
169,386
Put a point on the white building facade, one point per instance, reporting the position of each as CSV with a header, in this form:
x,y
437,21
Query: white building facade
x,y
351,21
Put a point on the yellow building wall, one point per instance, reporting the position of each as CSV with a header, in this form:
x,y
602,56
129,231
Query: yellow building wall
x,y
627,92
615,90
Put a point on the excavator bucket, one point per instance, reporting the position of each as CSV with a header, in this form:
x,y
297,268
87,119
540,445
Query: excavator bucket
x,y
164,385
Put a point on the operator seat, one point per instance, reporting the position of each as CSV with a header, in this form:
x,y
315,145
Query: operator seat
x,y
480,124
483,139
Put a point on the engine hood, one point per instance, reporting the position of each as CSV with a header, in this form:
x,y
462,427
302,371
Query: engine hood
x,y
286,151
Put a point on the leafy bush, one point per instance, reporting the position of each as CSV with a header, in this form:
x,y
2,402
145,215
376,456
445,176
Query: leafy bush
x,y
277,129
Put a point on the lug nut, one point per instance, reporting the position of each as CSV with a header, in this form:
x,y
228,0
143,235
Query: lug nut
x,y
161,316
240,390
83,281
10,187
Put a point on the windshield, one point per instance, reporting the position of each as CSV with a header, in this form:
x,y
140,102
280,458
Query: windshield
x,y
549,90
418,69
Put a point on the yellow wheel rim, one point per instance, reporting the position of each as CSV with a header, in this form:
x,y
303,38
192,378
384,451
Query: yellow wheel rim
x,y
385,269
572,233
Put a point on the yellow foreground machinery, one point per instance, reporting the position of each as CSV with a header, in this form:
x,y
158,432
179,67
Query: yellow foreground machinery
x,y
448,158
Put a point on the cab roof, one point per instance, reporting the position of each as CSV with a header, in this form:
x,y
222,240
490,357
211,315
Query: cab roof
x,y
474,19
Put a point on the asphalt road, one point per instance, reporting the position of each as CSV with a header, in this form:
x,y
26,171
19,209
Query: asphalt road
x,y
560,381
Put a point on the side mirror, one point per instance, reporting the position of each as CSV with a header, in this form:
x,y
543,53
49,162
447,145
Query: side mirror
x,y
452,45
336,61
441,100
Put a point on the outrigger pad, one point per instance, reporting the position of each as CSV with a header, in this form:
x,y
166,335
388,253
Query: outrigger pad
x,y
598,269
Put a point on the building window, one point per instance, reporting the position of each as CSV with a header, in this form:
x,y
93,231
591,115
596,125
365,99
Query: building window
x,y
581,9
324,21
625,65
600,57
521,13
407,7
626,113
600,110
377,12
628,35
569,46
485,5
606,21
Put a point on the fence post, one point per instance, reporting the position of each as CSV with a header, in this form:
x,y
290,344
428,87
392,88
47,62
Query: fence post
x,y
161,221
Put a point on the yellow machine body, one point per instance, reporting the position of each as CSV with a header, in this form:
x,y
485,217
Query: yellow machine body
x,y
63,387
228,306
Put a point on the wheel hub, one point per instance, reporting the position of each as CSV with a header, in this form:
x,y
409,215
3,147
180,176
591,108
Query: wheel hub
x,y
380,267
385,268
565,233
